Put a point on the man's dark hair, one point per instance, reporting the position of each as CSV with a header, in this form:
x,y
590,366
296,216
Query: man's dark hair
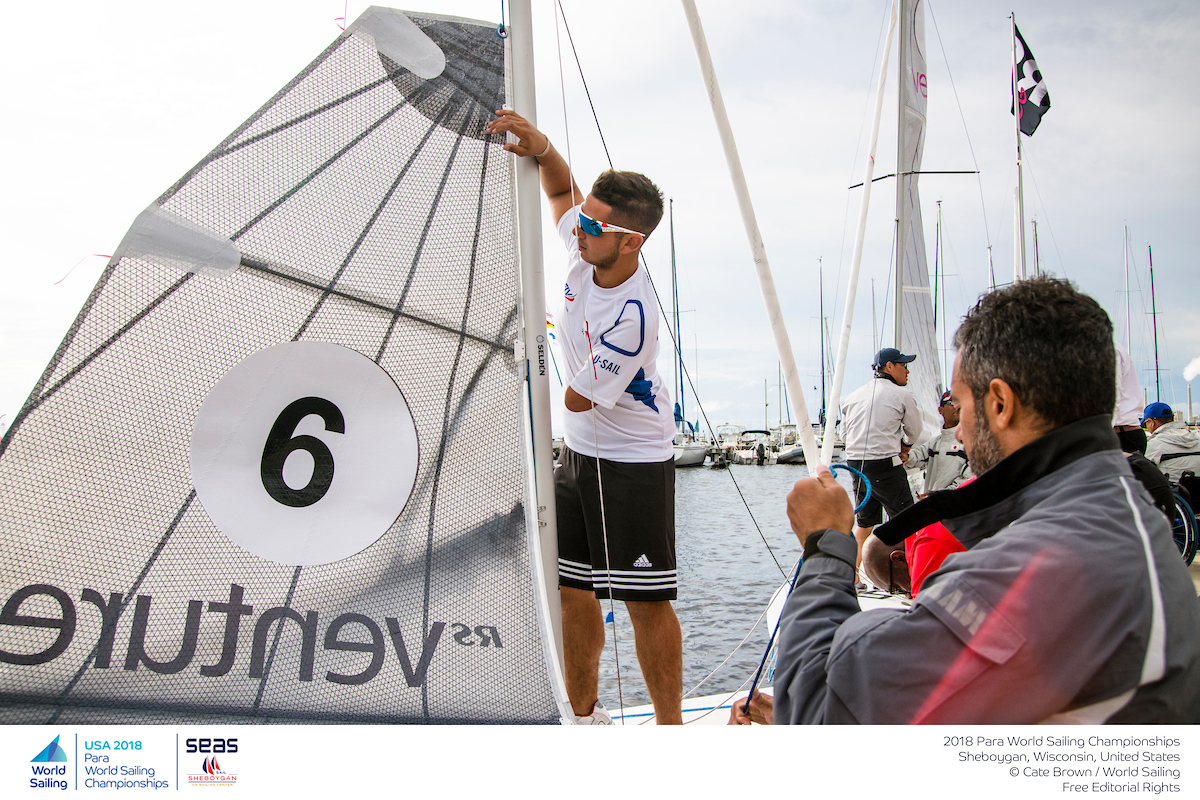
x,y
636,202
1051,343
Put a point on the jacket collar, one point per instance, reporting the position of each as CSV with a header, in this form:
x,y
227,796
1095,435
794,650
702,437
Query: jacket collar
x,y
1034,461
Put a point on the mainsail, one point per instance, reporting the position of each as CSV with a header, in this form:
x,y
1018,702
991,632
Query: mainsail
x,y
275,469
914,304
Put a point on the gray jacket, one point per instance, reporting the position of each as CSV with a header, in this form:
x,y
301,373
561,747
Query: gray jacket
x,y
1071,604
1175,449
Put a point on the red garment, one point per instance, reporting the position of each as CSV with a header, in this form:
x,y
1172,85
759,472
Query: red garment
x,y
926,549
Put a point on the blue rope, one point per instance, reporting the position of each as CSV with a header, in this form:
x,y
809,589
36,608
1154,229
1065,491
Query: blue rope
x,y
771,643
502,31
861,477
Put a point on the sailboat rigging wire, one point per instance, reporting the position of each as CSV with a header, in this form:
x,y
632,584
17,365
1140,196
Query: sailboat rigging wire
x,y
967,133
662,309
591,358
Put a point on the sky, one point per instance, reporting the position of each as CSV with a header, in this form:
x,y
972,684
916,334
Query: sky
x,y
112,104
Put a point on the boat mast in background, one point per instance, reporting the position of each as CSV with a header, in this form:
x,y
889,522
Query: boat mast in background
x,y
1019,210
1037,261
677,361
765,281
1154,321
839,369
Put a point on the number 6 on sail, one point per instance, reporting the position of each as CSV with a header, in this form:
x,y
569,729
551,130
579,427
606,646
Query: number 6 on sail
x,y
304,453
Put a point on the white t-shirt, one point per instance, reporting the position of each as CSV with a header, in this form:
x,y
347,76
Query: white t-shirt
x,y
607,336
874,417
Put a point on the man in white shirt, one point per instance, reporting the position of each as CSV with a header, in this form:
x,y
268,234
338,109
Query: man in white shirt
x,y
1127,422
619,430
877,420
943,458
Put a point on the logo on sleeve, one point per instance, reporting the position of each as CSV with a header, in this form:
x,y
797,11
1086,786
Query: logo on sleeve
x,y
567,293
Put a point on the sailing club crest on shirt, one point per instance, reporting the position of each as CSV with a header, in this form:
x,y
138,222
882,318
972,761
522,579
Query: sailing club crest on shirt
x,y
568,294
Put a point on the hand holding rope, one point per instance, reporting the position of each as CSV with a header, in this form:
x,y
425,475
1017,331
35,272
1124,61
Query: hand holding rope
x,y
792,584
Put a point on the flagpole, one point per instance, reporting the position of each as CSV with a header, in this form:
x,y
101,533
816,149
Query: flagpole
x,y
1019,211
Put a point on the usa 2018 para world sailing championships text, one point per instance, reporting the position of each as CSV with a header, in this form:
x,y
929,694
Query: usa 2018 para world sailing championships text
x,y
111,607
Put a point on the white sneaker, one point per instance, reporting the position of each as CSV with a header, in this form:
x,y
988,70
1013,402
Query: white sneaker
x,y
599,716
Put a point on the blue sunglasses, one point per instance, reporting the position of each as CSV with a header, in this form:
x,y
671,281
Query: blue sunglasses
x,y
595,227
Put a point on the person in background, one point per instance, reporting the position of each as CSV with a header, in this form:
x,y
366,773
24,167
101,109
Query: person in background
x,y
879,419
943,458
1127,421
1173,446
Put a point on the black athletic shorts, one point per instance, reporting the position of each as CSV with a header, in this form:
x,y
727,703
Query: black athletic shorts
x,y
889,489
639,515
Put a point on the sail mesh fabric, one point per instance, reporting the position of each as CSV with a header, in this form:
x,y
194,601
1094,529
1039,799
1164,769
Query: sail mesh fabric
x,y
916,332
370,211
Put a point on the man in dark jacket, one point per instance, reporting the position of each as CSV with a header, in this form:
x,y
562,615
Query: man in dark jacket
x,y
1071,603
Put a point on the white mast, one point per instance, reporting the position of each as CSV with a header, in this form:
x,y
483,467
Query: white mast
x,y
839,370
1128,313
901,64
765,282
533,307
1019,210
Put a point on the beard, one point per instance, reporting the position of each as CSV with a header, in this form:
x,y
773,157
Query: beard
x,y
985,449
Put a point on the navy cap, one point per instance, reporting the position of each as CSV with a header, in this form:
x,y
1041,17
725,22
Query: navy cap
x,y
1157,411
945,398
891,354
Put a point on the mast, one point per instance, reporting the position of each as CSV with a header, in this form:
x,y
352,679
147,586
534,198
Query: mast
x,y
1128,313
937,249
901,65
533,307
821,306
839,369
677,362
1019,210
1154,320
766,283
1037,261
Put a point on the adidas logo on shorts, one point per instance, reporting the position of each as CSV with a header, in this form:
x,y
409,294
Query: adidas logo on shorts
x,y
642,561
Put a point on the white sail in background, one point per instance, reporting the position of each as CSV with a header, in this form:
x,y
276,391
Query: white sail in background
x,y
914,315
275,469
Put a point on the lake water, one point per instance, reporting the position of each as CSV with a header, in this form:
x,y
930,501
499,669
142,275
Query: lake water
x,y
726,577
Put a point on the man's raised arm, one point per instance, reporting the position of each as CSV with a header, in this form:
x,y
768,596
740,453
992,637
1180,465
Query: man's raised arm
x,y
557,183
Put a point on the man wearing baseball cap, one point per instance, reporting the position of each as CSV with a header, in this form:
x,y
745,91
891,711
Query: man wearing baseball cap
x,y
1172,445
878,420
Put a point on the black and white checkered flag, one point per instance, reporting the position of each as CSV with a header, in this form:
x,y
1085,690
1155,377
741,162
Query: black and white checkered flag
x,y
1032,95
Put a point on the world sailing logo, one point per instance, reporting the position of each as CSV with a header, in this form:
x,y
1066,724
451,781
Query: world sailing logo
x,y
211,774
42,775
52,753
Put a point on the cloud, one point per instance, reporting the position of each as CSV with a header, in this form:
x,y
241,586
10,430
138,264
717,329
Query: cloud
x,y
1192,369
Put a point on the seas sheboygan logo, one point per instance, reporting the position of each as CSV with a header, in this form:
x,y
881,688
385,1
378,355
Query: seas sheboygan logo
x,y
210,773
45,776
